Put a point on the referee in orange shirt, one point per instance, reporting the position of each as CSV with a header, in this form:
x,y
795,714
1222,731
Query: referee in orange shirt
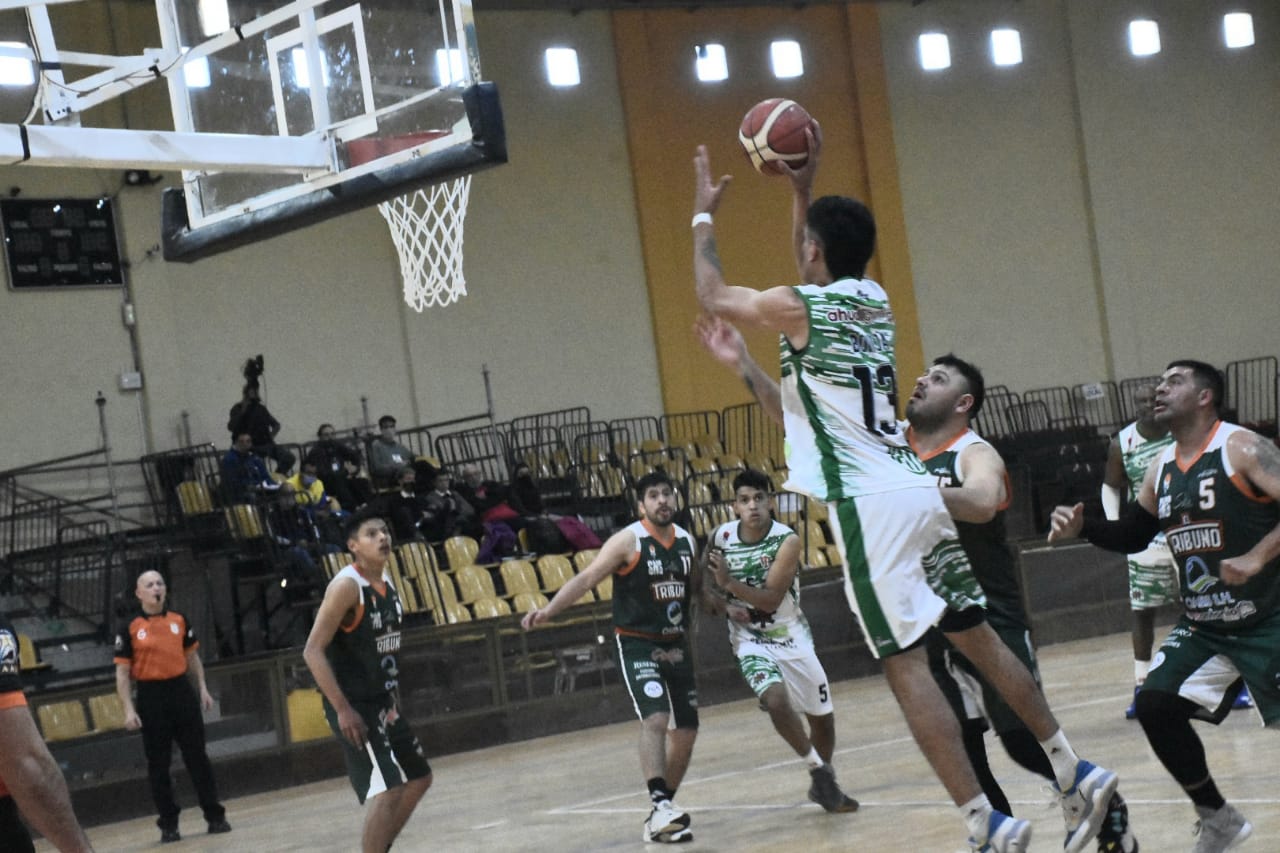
x,y
157,649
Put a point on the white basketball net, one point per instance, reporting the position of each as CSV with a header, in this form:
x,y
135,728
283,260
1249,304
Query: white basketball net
x,y
426,226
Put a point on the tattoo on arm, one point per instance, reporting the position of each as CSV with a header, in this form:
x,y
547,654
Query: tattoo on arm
x,y
1268,456
710,255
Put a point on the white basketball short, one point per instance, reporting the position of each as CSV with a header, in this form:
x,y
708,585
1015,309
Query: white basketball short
x,y
804,677
887,541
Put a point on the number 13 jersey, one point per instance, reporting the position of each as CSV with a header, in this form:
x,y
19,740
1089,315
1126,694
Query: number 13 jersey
x,y
839,397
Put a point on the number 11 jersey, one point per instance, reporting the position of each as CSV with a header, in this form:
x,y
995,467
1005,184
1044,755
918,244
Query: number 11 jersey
x,y
839,397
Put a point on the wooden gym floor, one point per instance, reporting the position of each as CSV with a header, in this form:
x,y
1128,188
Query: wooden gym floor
x,y
746,790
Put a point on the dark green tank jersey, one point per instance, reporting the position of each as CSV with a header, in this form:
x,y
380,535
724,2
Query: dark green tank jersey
x,y
1210,513
651,592
986,544
363,656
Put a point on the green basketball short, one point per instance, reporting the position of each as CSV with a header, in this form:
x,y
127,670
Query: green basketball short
x,y
1205,665
659,677
966,690
391,756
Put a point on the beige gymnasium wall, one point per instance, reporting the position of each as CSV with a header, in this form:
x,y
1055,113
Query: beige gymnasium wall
x,y
1089,215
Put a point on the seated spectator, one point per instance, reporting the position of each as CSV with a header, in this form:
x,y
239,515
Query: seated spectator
x,y
446,513
483,495
404,507
523,494
386,455
252,416
338,465
309,493
244,474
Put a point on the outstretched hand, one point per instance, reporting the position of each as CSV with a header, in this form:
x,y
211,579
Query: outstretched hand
x,y
721,339
801,176
706,193
1066,522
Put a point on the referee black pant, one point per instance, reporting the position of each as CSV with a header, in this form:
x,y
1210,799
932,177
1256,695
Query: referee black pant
x,y
170,712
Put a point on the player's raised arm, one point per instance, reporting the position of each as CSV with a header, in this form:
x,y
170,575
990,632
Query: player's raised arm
x,y
726,345
1131,533
985,486
801,178
777,309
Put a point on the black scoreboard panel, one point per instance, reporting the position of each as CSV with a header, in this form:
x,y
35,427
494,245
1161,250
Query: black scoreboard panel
x,y
68,242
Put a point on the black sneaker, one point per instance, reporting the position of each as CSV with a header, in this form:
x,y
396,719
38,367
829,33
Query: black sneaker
x,y
168,836
826,792
219,826
1116,836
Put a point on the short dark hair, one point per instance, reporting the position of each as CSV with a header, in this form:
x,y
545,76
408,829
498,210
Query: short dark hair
x,y
324,427
972,377
386,421
1205,375
657,477
752,479
357,519
846,230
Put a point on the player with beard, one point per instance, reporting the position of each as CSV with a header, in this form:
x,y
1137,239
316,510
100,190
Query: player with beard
x,y
976,488
652,564
1213,492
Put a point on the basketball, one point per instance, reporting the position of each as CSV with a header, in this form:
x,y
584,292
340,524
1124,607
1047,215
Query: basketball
x,y
773,131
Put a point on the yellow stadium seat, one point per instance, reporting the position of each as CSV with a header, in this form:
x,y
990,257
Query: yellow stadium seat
x,y
62,720
474,582
556,571
305,710
526,601
815,557
334,563
518,577
107,712
194,498
604,589
490,608
460,551
244,522
703,465
457,612
406,587
29,657
583,558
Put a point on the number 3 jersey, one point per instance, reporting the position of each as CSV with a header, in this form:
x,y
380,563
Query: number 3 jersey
x,y
1209,513
785,631
364,654
651,592
839,397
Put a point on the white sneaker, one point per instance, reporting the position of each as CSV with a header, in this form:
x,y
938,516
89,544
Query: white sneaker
x,y
1084,805
1220,830
667,824
1005,834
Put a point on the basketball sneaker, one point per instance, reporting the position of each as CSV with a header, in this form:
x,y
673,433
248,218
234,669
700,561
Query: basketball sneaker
x,y
1243,700
1219,830
1116,835
1083,804
825,791
667,824
1005,834
1131,713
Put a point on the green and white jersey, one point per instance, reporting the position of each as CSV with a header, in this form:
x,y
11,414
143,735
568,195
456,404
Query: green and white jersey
x,y
785,631
1137,453
1209,513
363,655
839,397
651,592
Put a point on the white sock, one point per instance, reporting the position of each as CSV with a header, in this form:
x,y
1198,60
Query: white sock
x,y
977,813
1063,758
1140,671
813,759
